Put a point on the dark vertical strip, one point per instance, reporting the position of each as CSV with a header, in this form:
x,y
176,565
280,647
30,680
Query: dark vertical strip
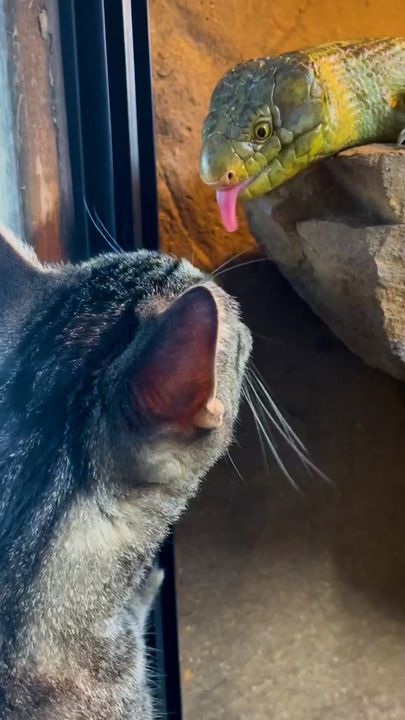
x,y
78,242
96,129
145,123
84,51
133,137
168,642
120,127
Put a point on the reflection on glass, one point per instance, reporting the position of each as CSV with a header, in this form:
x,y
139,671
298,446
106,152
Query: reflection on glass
x,y
9,195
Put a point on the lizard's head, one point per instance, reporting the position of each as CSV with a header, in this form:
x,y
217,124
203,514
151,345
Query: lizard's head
x,y
264,125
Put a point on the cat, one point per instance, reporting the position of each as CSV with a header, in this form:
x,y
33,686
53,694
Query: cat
x,y
120,381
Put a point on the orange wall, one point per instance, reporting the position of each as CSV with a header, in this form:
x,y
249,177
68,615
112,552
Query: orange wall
x,y
193,43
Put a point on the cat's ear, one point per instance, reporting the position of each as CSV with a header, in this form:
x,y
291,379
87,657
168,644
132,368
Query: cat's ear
x,y
175,381
20,270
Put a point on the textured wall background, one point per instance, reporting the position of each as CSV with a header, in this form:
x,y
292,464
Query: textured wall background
x,y
193,43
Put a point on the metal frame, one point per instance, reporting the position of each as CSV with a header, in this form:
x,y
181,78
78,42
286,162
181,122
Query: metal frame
x,y
108,89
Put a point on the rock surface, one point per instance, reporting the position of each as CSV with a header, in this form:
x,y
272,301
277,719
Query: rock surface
x,y
337,233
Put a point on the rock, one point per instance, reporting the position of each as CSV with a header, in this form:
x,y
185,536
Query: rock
x,y
337,233
376,179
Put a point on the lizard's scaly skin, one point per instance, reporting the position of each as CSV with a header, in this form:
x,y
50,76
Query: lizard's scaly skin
x,y
315,102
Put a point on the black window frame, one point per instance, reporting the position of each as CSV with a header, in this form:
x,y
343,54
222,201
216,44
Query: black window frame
x,y
109,107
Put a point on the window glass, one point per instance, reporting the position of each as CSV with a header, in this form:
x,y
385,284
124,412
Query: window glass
x,y
9,195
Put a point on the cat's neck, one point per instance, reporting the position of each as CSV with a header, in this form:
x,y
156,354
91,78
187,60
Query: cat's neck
x,y
89,573
102,556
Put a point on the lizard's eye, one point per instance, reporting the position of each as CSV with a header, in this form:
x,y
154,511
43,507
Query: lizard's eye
x,y
262,130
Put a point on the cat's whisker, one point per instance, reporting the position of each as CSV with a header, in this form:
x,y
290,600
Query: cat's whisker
x,y
273,450
99,230
280,423
106,235
227,262
258,430
254,373
259,411
235,467
276,421
241,265
273,341
306,461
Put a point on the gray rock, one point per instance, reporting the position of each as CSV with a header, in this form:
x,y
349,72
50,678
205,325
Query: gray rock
x,y
337,233
376,177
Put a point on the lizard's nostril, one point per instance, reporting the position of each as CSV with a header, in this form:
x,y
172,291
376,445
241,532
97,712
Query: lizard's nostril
x,y
230,176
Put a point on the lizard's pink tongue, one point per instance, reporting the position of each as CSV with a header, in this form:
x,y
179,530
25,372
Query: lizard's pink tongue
x,y
227,200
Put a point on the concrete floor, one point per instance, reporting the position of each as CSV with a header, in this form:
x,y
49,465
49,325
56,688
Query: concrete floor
x,y
293,606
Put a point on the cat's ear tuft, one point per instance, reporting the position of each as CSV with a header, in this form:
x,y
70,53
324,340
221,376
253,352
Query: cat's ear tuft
x,y
176,379
20,274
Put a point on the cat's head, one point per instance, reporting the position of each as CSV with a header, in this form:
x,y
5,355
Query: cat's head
x,y
119,374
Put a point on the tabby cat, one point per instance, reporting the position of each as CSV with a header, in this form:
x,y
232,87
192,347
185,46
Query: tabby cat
x,y
120,381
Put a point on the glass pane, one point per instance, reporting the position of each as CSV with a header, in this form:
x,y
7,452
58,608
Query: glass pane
x,y
9,195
